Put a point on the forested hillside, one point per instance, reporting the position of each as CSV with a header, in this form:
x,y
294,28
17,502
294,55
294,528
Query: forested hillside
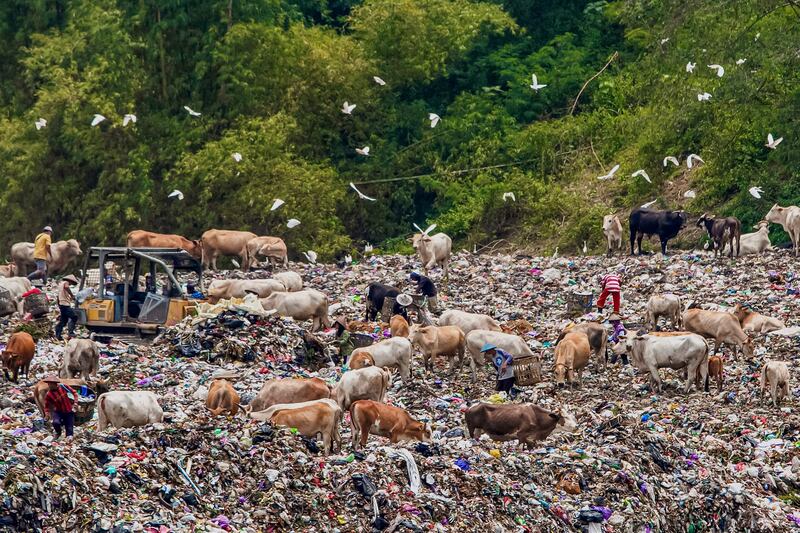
x,y
269,79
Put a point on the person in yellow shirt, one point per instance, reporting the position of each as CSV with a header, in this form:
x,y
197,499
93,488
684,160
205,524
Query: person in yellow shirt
x,y
41,254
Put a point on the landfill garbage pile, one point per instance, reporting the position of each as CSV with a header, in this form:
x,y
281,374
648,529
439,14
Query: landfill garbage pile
x,y
639,460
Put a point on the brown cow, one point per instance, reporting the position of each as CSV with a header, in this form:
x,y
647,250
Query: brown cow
x,y
398,326
289,390
370,417
41,388
273,248
8,271
222,397
721,230
148,239
756,322
317,417
597,335
715,371
218,242
572,356
724,328
18,355
360,360
523,422
442,340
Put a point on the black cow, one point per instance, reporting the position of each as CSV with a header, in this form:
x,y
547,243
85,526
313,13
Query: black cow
x,y
665,224
376,292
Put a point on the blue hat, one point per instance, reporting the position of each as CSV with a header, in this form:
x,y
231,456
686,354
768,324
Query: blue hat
x,y
487,347
414,275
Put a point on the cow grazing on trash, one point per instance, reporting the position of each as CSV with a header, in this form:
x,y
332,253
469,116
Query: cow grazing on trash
x,y
391,353
441,340
291,280
16,287
8,271
127,409
289,390
571,357
222,397
308,304
675,351
715,371
665,224
370,417
526,422
398,326
467,322
776,375
148,239
789,218
18,355
433,250
596,334
753,243
225,289
612,229
81,358
360,360
63,253
724,328
272,248
41,389
314,419
216,242
477,339
369,383
756,322
376,294
723,231
664,305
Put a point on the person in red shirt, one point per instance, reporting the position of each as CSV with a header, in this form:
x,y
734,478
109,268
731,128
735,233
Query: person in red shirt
x,y
610,285
58,405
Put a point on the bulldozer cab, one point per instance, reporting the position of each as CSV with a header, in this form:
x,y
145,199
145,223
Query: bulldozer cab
x,y
137,290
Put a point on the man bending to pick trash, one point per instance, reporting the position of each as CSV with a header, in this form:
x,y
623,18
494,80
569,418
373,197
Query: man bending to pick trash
x,y
610,285
58,404
505,372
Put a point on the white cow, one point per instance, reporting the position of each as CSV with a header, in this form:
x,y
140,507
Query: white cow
x,y
776,374
62,252
433,250
16,287
300,305
81,358
127,409
476,339
468,321
393,353
612,229
651,352
224,289
370,383
291,280
789,218
753,243
666,305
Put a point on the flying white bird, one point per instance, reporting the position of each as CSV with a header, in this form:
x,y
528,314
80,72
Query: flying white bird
x,y
690,194
755,192
235,263
130,117
703,97
536,85
720,70
773,143
41,123
368,248
176,194
427,231
236,156
97,119
664,40
434,118
378,80
585,249
643,174
689,160
311,255
361,194
191,111
740,61
671,159
690,67
758,35
610,174
276,204
292,223
507,195
648,204
363,151
347,108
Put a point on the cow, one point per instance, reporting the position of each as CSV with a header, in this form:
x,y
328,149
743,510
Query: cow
x,y
776,374
8,271
392,353
441,340
572,356
376,293
753,322
370,417
665,224
81,358
222,397
663,305
272,248
715,368
289,390
360,360
724,328
524,422
216,242
63,253
789,218
722,231
476,339
225,289
18,355
41,389
468,321
612,229
127,409
754,243
300,305
369,383
398,326
311,419
148,239
291,280
595,333
433,250
16,287
651,352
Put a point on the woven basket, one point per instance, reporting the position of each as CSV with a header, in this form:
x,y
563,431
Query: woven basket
x,y
526,370
36,304
361,340
84,410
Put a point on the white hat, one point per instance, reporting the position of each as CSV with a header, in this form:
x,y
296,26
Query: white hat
x,y
404,299
48,228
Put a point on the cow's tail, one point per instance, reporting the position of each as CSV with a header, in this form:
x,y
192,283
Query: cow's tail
x,y
102,418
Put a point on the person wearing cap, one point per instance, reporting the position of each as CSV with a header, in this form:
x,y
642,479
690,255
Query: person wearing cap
x,y
401,304
426,287
69,317
345,343
42,254
58,405
502,363
611,285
